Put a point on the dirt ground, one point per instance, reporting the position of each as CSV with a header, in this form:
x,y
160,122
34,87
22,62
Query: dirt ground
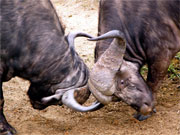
x,y
114,119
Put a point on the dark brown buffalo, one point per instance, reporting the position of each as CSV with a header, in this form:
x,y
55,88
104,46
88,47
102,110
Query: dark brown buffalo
x,y
33,46
150,30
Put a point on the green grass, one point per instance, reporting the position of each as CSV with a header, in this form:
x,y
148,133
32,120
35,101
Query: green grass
x,y
144,71
178,56
173,70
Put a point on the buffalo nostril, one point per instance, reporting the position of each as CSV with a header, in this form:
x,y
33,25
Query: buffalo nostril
x,y
146,109
147,104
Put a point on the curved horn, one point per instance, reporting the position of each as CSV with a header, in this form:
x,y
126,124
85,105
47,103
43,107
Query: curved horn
x,y
69,100
110,34
68,97
101,81
71,36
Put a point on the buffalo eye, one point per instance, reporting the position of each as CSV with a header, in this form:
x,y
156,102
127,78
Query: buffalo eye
x,y
122,82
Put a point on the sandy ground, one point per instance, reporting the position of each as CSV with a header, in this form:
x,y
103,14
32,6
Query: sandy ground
x,y
114,119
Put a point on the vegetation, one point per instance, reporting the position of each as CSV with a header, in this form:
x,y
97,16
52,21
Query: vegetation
x,y
178,56
173,70
144,71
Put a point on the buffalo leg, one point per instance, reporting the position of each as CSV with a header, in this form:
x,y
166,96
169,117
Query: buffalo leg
x,y
156,73
5,128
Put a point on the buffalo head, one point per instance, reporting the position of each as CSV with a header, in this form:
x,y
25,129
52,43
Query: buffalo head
x,y
114,78
72,91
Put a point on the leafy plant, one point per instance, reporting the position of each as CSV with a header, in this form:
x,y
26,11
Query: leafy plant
x,y
178,56
144,70
174,68
173,71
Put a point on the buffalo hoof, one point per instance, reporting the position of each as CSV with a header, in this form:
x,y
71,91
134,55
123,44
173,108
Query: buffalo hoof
x,y
7,133
8,130
141,117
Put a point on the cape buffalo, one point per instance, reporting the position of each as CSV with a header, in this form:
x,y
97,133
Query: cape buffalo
x,y
33,46
151,32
